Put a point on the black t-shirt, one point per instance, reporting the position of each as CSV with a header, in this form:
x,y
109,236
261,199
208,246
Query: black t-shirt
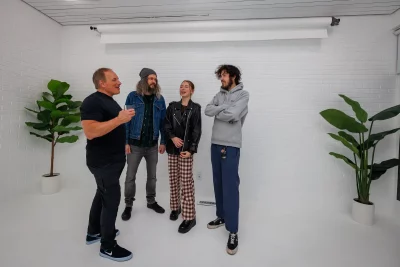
x,y
109,148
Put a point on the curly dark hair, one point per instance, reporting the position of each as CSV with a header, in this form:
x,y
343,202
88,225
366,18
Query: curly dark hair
x,y
231,70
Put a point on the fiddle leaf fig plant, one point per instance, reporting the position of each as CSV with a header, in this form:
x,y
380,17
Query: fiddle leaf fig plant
x,y
55,115
355,135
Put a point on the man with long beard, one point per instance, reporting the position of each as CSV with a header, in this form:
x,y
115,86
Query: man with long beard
x,y
142,135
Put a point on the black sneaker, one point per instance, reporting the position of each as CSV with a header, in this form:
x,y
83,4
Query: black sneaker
x,y
216,223
186,226
117,253
126,215
233,242
157,208
174,215
91,239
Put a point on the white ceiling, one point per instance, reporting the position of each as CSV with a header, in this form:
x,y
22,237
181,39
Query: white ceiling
x,y
94,12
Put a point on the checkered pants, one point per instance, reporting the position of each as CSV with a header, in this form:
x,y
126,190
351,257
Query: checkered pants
x,y
182,185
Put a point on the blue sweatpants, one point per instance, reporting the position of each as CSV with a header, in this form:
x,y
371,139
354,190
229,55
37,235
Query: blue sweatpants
x,y
226,185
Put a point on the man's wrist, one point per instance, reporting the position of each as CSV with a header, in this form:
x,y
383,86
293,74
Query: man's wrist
x,y
117,121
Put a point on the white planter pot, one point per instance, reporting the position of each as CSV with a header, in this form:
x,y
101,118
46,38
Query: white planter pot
x,y
363,213
51,184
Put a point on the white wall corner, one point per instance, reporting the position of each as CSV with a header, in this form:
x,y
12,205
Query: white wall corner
x,y
216,31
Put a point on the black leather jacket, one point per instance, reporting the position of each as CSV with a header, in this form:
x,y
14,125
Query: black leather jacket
x,y
186,126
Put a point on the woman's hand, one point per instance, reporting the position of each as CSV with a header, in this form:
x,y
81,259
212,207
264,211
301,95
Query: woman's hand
x,y
177,142
185,154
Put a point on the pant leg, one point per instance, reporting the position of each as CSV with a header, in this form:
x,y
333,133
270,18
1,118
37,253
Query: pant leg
x,y
174,182
187,183
217,178
151,156
231,181
95,214
107,179
133,160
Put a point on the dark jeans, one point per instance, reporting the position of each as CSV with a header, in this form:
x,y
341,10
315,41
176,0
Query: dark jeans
x,y
226,185
103,212
133,159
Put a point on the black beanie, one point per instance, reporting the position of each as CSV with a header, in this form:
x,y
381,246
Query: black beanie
x,y
146,72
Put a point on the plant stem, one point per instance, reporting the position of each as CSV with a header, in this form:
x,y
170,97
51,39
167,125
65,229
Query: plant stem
x,y
364,170
360,181
52,155
372,163
368,179
53,144
357,177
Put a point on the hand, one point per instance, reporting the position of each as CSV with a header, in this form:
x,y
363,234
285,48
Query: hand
x,y
161,149
126,115
177,142
127,149
185,154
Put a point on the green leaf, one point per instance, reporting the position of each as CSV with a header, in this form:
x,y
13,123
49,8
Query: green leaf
x,y
53,85
47,95
69,97
349,138
57,88
60,128
345,159
46,137
61,100
59,114
379,169
361,114
386,114
38,126
342,121
46,105
61,90
345,143
46,99
44,116
63,108
31,110
74,104
376,137
70,119
68,139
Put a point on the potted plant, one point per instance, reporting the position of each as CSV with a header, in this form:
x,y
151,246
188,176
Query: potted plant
x,y
360,145
56,112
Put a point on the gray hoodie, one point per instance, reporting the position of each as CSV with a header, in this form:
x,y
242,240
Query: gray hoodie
x,y
230,110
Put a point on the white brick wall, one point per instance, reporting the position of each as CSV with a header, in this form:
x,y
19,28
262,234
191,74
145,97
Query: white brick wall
x,y
285,164
30,52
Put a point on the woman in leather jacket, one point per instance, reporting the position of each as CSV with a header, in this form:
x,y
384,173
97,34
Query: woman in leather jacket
x,y
183,132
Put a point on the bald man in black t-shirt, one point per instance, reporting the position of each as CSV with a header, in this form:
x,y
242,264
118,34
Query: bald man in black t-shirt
x,y
103,122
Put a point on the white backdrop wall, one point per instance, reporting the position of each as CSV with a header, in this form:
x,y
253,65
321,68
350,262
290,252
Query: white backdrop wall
x,y
285,166
30,53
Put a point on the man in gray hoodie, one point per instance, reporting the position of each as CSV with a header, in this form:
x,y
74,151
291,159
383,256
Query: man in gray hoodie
x,y
229,108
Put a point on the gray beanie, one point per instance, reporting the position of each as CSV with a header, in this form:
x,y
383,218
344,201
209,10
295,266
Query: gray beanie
x,y
146,72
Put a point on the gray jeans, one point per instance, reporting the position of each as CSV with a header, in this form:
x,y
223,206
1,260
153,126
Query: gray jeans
x,y
133,159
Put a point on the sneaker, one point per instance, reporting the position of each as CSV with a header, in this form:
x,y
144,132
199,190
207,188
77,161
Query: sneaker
x,y
91,239
216,223
186,226
233,242
174,215
157,208
116,253
126,215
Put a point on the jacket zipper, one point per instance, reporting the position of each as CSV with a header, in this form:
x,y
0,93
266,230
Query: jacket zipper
x,y
184,137
177,120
